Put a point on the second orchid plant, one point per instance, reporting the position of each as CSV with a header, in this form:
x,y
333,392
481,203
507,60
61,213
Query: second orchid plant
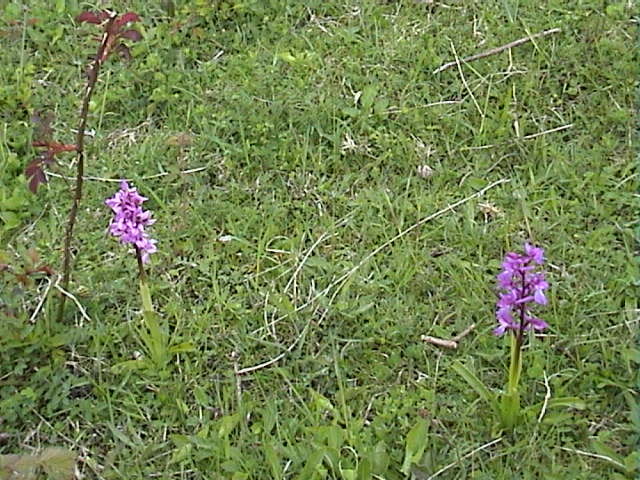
x,y
522,285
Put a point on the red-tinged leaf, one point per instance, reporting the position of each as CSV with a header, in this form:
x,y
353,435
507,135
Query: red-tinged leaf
x,y
31,168
45,269
126,18
91,17
132,35
57,148
30,21
36,180
36,175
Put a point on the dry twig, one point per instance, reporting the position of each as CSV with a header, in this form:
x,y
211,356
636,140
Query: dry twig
x,y
464,457
65,293
526,137
547,397
118,180
452,343
551,130
440,342
43,297
496,50
464,333
594,455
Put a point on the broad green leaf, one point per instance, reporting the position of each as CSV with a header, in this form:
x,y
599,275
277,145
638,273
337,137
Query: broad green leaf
x,y
380,458
335,437
287,57
269,415
568,402
129,365
365,469
415,445
634,410
273,460
632,355
10,219
368,96
348,474
180,440
321,402
632,462
182,347
227,424
313,462
350,111
281,302
201,396
475,383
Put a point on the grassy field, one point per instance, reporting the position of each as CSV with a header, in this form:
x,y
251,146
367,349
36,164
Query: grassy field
x,y
323,199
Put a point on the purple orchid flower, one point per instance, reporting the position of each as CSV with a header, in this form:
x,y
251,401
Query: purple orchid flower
x,y
521,285
130,220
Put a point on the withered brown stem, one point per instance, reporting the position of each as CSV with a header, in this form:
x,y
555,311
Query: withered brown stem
x,y
92,79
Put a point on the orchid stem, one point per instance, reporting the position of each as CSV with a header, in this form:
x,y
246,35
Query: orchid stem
x,y
515,367
145,294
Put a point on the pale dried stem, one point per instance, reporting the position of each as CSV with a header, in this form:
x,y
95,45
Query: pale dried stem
x,y
547,397
545,132
439,342
118,180
43,297
594,455
464,457
496,50
464,333
453,342
83,312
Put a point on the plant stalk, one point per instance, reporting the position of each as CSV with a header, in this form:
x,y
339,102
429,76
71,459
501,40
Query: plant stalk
x,y
511,398
94,71
145,294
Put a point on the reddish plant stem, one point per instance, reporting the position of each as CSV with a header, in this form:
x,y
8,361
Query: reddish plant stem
x,y
94,71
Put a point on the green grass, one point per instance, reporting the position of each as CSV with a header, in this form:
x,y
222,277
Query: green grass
x,y
307,125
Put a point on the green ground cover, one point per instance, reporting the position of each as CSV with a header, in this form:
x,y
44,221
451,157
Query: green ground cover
x,y
286,148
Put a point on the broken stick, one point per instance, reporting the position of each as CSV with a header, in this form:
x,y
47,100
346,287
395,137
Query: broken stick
x,y
493,51
453,343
